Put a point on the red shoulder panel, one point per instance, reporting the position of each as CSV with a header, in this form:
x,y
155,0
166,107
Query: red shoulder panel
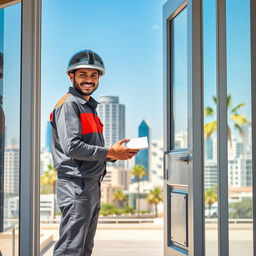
x,y
90,123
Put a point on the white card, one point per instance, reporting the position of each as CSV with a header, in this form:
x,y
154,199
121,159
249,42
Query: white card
x,y
138,143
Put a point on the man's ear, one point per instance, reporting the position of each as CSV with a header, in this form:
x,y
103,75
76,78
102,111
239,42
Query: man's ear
x,y
71,76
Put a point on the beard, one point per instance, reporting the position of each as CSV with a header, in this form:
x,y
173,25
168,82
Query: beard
x,y
77,87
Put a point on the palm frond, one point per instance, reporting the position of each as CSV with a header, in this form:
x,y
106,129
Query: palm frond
x,y
210,128
229,136
234,110
239,119
229,101
208,111
239,128
214,98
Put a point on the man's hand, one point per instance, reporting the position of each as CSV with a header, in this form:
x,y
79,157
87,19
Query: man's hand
x,y
119,152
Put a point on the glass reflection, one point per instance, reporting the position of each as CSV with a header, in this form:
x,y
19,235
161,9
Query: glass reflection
x,y
239,140
10,24
210,128
179,79
2,124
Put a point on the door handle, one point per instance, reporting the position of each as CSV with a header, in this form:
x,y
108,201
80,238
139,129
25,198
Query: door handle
x,y
165,164
184,159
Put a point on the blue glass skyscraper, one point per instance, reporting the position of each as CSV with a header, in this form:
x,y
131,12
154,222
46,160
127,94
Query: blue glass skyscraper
x,y
143,156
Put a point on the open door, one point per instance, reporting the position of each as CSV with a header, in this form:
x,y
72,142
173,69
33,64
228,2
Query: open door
x,y
183,129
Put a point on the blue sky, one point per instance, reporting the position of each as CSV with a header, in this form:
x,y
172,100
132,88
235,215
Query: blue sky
x,y
129,39
128,36
238,53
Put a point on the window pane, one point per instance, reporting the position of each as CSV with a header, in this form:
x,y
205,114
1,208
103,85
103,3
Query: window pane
x,y
179,79
10,32
210,128
239,120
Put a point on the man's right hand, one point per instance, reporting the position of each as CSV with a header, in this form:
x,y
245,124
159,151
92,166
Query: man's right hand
x,y
119,152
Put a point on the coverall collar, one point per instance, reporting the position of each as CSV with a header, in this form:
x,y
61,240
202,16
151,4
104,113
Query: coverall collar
x,y
81,99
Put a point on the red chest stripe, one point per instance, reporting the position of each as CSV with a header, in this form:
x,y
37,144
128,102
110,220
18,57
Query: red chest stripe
x,y
90,123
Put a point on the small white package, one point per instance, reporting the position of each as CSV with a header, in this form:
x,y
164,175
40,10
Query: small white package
x,y
138,143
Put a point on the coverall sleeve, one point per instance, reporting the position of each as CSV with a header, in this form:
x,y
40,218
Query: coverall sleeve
x,y
110,160
69,132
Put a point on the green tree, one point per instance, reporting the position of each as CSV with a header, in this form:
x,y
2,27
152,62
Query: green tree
x,y
155,196
239,120
107,209
241,209
49,178
210,198
119,197
138,171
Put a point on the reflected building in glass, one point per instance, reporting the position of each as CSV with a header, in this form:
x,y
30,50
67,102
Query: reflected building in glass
x,y
2,122
11,162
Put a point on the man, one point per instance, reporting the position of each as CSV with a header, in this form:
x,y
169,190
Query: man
x,y
80,156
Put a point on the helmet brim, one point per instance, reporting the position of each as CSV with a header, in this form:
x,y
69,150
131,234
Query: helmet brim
x,y
79,66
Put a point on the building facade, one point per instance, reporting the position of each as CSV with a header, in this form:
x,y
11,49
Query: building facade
x,y
143,157
12,170
156,163
112,115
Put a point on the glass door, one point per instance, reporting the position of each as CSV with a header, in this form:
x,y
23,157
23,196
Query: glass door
x,y
183,142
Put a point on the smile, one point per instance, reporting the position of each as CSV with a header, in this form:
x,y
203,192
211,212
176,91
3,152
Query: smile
x,y
87,86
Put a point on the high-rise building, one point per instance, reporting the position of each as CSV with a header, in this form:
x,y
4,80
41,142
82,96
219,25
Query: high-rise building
x,y
143,155
112,115
48,144
156,162
11,166
211,174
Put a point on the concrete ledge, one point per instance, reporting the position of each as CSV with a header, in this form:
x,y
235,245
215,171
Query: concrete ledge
x,y
112,226
45,240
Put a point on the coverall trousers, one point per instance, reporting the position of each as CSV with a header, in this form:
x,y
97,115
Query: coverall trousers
x,y
79,202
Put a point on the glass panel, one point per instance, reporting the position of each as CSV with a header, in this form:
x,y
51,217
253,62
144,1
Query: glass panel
x,y
10,36
179,121
239,121
210,128
136,82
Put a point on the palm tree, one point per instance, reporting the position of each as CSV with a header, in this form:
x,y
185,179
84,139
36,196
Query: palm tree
x,y
119,197
138,171
239,120
49,178
155,196
210,198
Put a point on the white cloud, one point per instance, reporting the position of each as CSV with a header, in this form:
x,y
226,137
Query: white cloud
x,y
155,27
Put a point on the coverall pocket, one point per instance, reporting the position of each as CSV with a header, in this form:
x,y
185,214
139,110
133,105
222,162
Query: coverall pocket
x,y
65,192
79,188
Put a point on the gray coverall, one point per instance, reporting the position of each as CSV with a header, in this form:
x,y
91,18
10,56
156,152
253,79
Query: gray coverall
x,y
79,157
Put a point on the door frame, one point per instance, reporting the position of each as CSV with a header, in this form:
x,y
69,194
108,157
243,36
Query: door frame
x,y
196,232
30,123
29,243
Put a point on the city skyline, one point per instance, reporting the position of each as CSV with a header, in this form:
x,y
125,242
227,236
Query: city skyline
x,y
135,81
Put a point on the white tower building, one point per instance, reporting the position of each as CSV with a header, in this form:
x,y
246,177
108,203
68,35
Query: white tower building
x,y
112,115
11,166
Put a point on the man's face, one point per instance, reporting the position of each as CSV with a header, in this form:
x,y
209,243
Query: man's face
x,y
85,80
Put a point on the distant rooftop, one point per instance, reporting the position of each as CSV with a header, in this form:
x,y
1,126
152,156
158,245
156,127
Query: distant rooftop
x,y
109,99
